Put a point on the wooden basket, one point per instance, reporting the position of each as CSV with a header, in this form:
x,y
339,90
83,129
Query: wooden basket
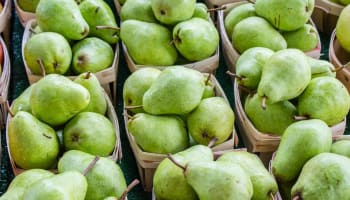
x,y
5,15
325,15
24,16
257,141
112,116
107,77
339,57
230,53
148,162
4,83
117,5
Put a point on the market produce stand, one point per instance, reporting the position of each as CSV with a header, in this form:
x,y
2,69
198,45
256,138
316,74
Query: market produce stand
x,y
19,82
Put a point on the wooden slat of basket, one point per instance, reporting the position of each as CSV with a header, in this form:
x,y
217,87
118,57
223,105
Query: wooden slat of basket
x,y
117,5
23,16
111,115
324,20
4,83
231,54
5,15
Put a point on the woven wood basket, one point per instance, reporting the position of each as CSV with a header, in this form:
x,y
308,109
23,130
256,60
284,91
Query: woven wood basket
x,y
118,7
24,16
107,77
5,15
148,162
111,115
325,15
230,53
4,83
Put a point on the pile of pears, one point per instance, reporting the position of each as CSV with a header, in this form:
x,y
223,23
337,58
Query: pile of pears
x,y
167,32
71,37
272,24
308,165
55,115
196,173
280,88
173,109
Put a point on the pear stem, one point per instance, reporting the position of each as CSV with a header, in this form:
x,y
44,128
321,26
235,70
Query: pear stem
x,y
127,190
339,68
107,27
263,102
272,196
32,30
172,42
347,64
234,75
216,9
8,108
128,116
172,159
91,165
212,142
208,79
133,107
41,64
88,74
303,117
244,89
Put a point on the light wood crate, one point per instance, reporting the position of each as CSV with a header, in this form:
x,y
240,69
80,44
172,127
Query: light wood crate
x,y
23,16
325,15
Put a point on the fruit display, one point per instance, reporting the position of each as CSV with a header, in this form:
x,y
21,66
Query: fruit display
x,y
47,115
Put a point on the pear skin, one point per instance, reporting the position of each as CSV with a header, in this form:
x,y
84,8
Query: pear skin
x,y
137,9
22,102
173,11
341,147
304,38
321,68
237,14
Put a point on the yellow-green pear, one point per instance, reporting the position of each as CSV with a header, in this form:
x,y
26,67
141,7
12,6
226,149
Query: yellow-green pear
x,y
28,5
341,147
201,11
342,28
236,14
22,102
173,11
139,10
321,67
304,38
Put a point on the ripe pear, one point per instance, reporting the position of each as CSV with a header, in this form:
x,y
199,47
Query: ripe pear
x,y
169,181
139,10
344,2
67,185
105,179
177,90
98,13
22,181
342,28
236,14
256,32
209,89
285,75
173,11
90,132
196,38
321,67
201,11
325,176
325,98
212,118
53,51
62,16
148,43
341,147
158,133
33,144
288,15
264,184
249,66
98,101
136,85
304,38
27,5
272,119
300,141
55,99
91,55
22,102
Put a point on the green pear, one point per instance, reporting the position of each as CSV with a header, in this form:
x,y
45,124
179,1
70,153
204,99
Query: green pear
x,y
285,75
212,118
98,101
209,89
236,14
49,51
325,176
90,132
173,11
196,38
91,54
342,28
137,9
304,38
62,16
148,43
201,11
325,98
98,13
169,181
341,147
344,2
177,90
22,102
249,66
272,119
300,141
158,133
28,5
136,85
264,184
70,185
21,182
55,99
321,67
256,32
105,179
288,15
33,144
